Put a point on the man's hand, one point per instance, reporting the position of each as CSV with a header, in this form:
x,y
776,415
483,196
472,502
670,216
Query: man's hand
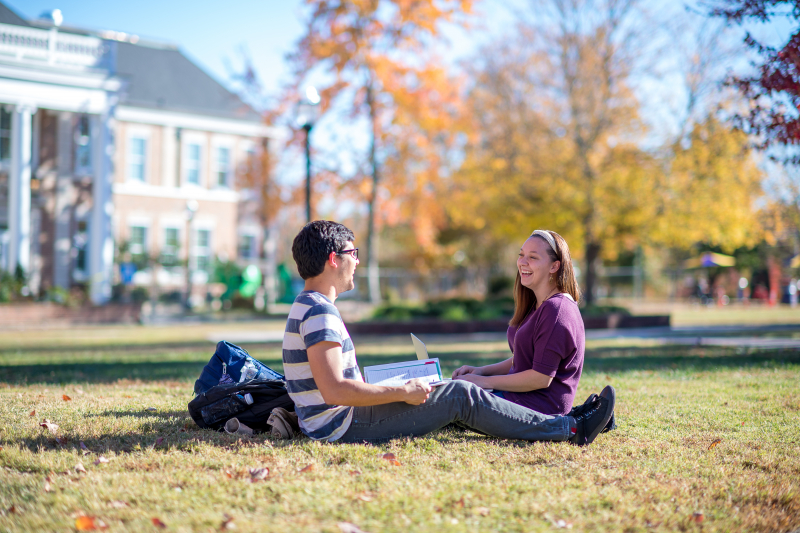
x,y
466,369
417,391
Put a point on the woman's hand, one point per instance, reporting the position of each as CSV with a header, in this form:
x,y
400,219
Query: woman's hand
x,y
477,379
466,370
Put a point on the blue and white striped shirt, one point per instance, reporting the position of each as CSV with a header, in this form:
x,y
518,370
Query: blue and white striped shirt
x,y
313,319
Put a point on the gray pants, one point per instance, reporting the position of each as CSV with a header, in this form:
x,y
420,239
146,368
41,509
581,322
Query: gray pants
x,y
459,402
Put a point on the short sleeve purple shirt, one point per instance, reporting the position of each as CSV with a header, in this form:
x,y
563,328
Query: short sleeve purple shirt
x,y
551,341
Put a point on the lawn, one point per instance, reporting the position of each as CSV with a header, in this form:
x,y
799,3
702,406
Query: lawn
x,y
659,471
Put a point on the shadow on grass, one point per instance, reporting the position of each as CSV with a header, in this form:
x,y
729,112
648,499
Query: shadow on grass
x,y
669,358
179,432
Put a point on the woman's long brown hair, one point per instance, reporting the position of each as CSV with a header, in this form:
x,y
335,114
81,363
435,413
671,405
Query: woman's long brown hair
x,y
525,299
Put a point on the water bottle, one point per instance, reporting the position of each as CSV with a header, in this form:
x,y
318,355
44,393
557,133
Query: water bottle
x,y
249,371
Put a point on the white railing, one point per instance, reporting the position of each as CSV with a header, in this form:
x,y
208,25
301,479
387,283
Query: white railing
x,y
50,46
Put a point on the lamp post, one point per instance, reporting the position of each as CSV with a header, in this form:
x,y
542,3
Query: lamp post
x,y
191,209
307,114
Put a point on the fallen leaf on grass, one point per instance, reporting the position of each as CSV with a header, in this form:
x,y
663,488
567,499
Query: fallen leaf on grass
x,y
159,440
355,472
84,449
10,510
258,474
365,496
126,396
459,503
80,469
32,413
118,504
66,398
52,428
717,441
100,459
308,468
89,523
62,440
47,487
391,458
742,423
347,527
697,517
227,522
482,511
158,523
79,391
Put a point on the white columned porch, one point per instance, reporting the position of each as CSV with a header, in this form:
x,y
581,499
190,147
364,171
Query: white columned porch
x,y
19,188
101,240
64,197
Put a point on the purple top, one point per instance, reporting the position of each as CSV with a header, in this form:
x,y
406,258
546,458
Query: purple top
x,y
550,340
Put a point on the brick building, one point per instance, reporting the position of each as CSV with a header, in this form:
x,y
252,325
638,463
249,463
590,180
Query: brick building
x,y
110,143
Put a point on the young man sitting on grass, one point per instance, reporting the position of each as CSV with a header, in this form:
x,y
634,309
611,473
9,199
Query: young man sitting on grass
x,y
334,403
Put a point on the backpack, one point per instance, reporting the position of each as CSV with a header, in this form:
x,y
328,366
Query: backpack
x,y
232,360
212,408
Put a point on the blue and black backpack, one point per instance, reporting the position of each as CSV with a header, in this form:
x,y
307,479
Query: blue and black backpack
x,y
225,383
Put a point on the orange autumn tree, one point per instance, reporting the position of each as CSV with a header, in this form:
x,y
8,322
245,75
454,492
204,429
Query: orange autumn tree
x,y
376,58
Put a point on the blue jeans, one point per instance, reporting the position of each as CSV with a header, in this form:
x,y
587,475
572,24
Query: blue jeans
x,y
459,402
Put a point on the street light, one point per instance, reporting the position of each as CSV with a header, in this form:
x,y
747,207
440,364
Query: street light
x,y
191,209
307,114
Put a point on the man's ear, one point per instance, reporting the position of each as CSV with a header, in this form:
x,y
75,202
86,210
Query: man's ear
x,y
332,259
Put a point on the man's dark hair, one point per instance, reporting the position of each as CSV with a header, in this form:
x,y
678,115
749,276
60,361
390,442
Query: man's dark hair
x,y
315,242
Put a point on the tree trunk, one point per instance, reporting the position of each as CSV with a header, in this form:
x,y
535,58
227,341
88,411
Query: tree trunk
x,y
592,253
373,272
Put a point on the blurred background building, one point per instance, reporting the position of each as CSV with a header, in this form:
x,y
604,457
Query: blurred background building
x,y
116,151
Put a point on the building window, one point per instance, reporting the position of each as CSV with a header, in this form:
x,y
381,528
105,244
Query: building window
x,y
247,247
81,247
172,247
223,166
83,146
137,245
5,135
136,158
202,250
193,153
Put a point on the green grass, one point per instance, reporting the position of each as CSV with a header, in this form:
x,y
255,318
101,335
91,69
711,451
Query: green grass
x,y
651,474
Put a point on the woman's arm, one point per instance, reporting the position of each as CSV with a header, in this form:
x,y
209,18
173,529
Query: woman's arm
x,y
497,369
525,381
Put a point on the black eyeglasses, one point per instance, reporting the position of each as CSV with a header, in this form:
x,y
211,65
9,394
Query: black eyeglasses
x,y
353,252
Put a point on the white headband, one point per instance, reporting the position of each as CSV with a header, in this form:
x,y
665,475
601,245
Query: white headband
x,y
546,236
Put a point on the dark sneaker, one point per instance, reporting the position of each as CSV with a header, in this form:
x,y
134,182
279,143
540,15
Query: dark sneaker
x,y
588,404
612,423
593,418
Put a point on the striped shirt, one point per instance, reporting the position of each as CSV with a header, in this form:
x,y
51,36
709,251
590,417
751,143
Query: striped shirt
x,y
313,319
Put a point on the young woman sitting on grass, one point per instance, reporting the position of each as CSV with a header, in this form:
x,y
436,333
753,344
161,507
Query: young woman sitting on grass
x,y
546,334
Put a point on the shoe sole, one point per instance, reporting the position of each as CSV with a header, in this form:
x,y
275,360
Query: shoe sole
x,y
609,394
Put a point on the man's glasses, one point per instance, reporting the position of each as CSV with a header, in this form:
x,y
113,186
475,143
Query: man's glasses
x,y
353,252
